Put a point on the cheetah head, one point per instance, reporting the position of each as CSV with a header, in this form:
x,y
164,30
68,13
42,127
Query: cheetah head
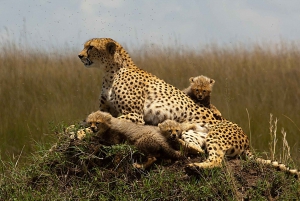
x,y
99,121
98,52
170,129
201,86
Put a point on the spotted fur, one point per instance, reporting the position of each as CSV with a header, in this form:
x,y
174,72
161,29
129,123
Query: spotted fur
x,y
142,97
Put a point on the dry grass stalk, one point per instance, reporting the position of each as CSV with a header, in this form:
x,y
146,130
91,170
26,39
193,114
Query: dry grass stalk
x,y
285,157
273,132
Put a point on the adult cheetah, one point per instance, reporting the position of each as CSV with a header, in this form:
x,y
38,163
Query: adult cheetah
x,y
142,97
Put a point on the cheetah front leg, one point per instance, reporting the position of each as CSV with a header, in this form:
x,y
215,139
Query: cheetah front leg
x,y
190,148
211,162
193,141
145,165
104,106
215,158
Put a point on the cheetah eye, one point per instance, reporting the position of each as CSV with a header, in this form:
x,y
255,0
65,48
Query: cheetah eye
x,y
204,91
90,48
177,131
170,131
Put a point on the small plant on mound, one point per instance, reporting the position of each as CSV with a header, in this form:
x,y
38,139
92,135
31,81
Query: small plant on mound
x,y
82,157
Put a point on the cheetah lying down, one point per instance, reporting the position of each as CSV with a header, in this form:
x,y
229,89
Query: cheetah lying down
x,y
147,139
142,97
184,135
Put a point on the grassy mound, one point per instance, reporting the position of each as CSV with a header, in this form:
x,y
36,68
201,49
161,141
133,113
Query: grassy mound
x,y
88,170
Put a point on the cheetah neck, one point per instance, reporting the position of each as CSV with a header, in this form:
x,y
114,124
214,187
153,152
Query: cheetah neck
x,y
121,61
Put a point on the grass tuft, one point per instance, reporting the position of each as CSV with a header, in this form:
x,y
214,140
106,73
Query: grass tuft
x,y
87,170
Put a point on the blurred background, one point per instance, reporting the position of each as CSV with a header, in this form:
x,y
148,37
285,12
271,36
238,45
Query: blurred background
x,y
251,49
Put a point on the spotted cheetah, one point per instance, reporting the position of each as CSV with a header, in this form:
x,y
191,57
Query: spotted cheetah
x,y
146,138
143,98
200,91
183,135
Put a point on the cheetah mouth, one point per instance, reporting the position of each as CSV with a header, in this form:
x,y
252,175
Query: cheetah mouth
x,y
173,138
94,129
87,62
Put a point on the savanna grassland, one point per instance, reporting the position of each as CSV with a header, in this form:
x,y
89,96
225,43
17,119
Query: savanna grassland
x,y
44,90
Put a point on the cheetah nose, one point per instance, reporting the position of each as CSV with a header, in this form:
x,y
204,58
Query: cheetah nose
x,y
80,56
94,129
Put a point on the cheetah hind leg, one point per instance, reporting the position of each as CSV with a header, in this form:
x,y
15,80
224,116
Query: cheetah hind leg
x,y
214,160
145,165
190,148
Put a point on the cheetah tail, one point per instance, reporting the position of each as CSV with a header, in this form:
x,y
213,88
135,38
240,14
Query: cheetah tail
x,y
277,165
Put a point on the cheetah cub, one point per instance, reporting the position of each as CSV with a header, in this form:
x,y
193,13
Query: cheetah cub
x,y
147,139
189,136
200,90
104,133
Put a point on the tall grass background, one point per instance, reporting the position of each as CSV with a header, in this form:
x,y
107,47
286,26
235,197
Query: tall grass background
x,y
41,88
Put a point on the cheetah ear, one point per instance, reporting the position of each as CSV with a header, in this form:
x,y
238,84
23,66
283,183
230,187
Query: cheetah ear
x,y
107,118
212,82
191,79
159,125
111,48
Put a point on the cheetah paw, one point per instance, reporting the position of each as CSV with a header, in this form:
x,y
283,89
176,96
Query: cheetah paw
x,y
138,166
191,168
81,133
